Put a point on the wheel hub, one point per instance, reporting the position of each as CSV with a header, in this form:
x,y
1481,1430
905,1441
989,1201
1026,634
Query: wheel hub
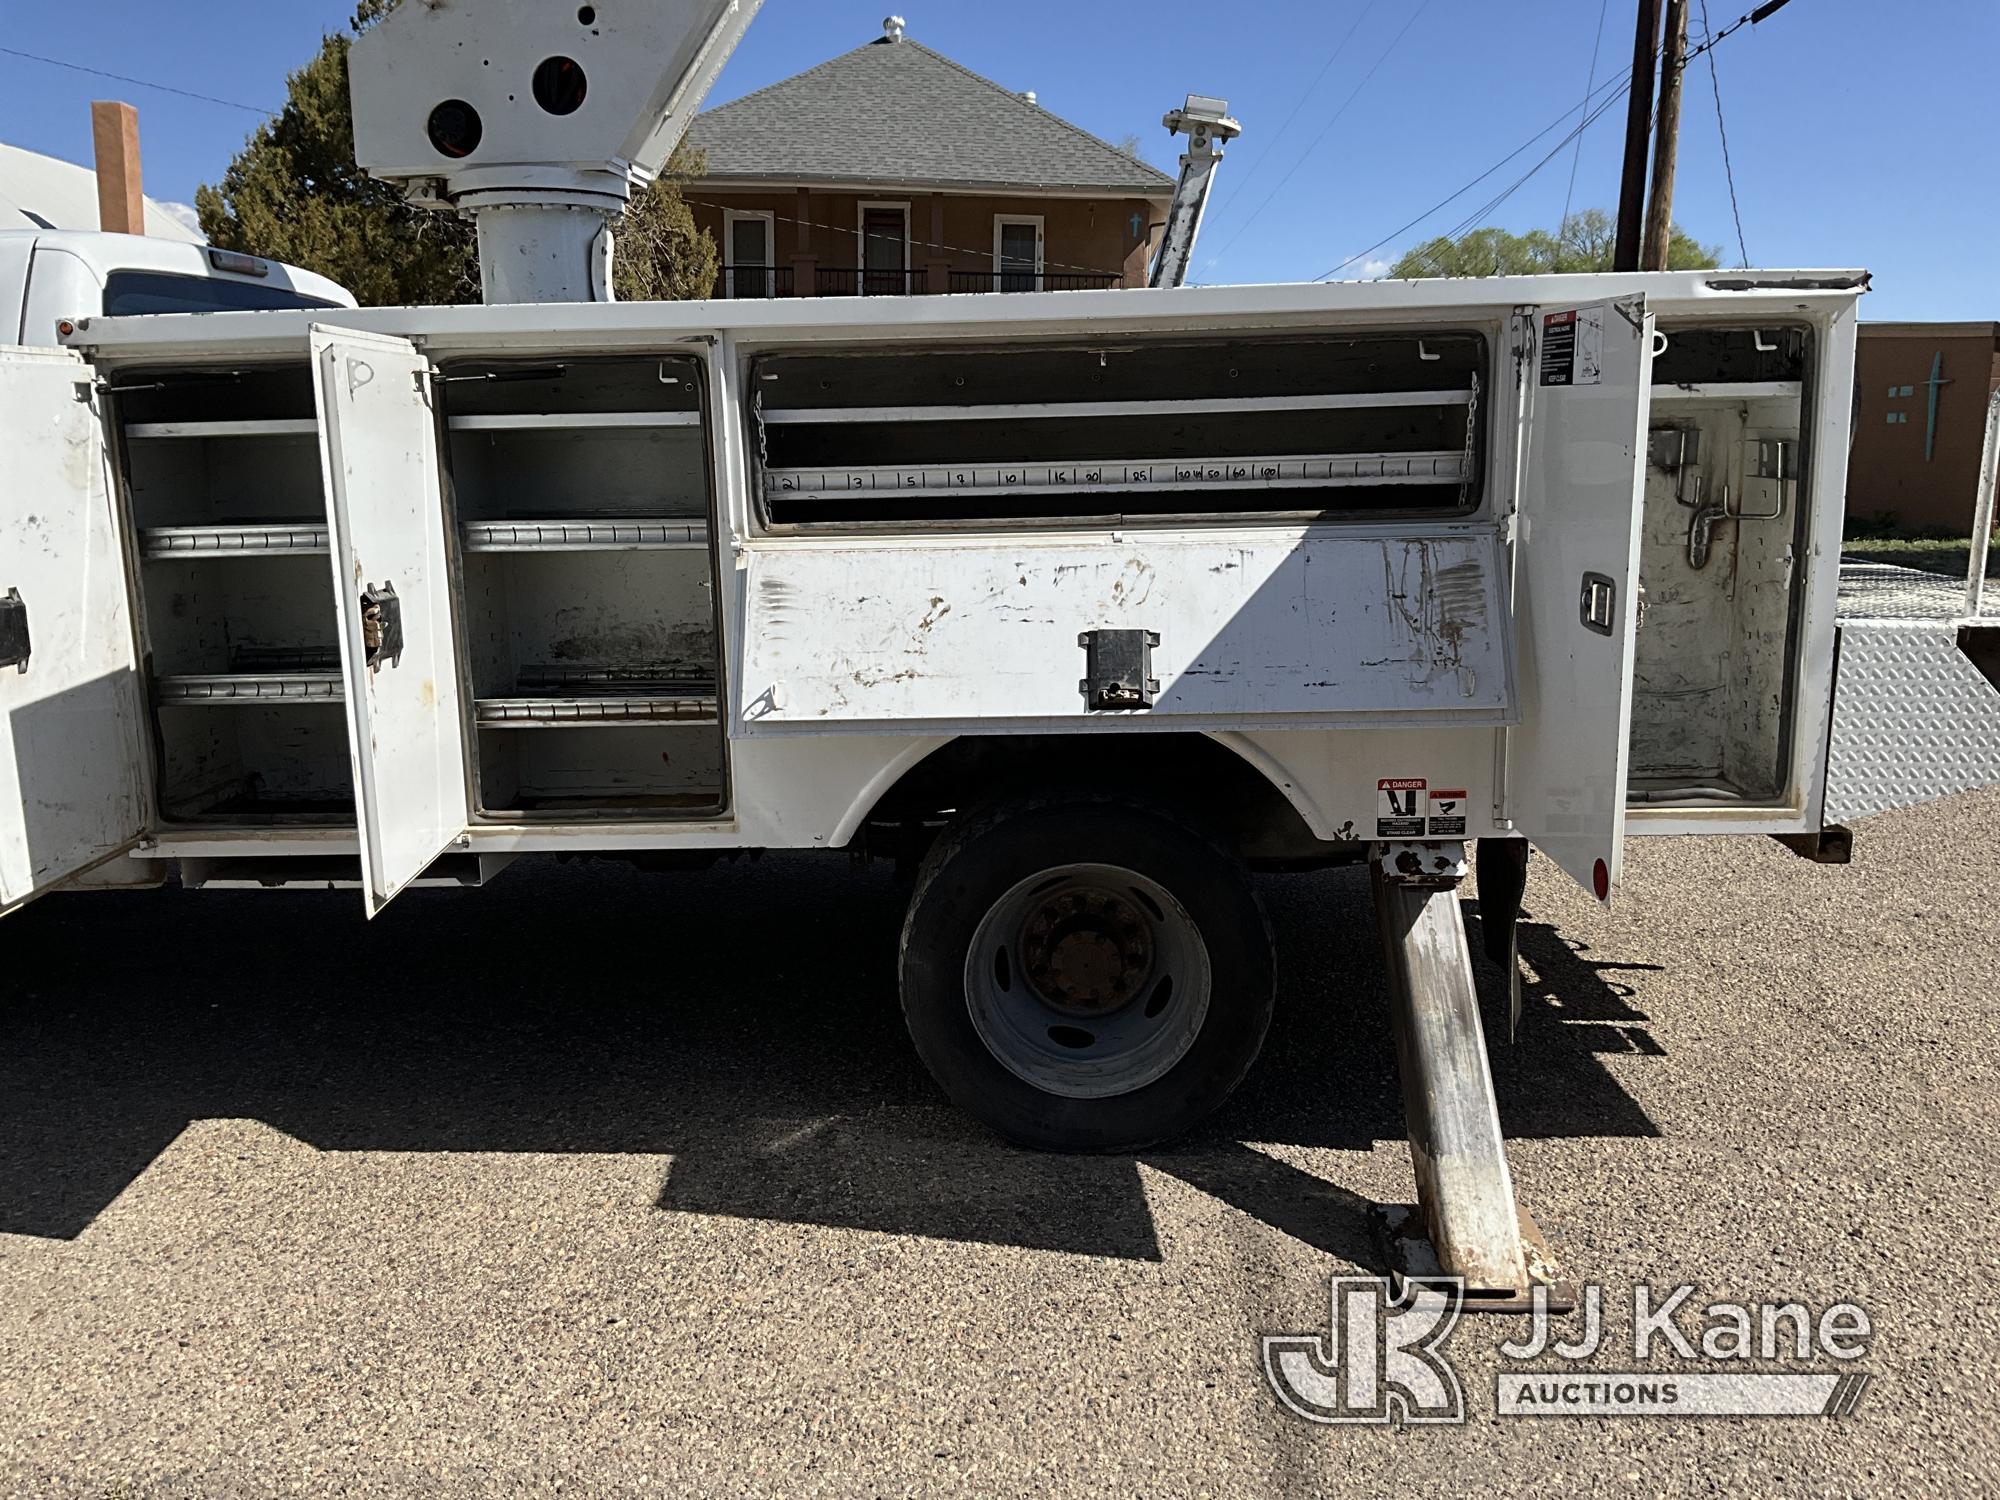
x,y
1086,952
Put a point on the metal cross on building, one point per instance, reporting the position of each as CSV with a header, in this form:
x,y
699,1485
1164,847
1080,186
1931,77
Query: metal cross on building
x,y
1931,388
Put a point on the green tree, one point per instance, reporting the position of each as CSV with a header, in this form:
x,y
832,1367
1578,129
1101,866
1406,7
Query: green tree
x,y
661,254
295,194
1585,242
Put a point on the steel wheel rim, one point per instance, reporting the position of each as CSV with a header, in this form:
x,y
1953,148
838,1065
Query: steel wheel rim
x,y
1088,981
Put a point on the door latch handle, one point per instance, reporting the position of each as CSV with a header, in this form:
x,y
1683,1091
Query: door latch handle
x,y
382,626
14,643
1598,602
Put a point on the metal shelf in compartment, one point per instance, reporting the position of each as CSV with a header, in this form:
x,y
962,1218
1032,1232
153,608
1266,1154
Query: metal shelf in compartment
x,y
556,697
254,540
598,534
265,688
1116,476
252,427
566,421
261,677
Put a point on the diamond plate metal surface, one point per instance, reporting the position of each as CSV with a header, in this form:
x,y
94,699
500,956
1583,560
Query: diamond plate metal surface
x,y
1912,719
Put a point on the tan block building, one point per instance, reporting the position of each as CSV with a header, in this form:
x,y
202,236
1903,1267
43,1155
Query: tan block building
x,y
892,169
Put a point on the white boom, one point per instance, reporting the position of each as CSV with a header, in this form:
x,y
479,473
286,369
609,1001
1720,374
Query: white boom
x,y
537,121
1207,125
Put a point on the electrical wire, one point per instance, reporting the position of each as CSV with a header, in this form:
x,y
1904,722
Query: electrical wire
x,y
1270,143
1472,219
1270,197
140,83
1722,131
1617,86
1589,88
1623,85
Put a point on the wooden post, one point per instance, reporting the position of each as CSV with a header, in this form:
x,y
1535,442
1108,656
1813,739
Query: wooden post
x,y
114,131
1638,119
937,264
1666,144
805,265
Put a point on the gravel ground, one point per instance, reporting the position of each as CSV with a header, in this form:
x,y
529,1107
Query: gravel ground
x,y
628,1184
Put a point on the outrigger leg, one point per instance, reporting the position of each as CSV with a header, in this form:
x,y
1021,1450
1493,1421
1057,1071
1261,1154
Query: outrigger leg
x,y
1466,1222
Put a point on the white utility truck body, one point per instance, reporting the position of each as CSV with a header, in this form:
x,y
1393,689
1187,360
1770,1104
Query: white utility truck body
x,y
722,574
1088,602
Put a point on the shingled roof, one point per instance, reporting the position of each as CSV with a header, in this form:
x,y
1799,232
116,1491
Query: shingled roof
x,y
893,111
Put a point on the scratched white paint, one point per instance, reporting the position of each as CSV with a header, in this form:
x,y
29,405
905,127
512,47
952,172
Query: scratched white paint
x,y
1582,483
406,722
792,788
1263,627
71,790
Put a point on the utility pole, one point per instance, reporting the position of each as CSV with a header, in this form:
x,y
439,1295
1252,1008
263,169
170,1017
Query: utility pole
x,y
1638,124
1666,144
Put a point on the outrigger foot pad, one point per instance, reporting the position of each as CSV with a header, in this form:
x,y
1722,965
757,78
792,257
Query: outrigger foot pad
x,y
1408,1255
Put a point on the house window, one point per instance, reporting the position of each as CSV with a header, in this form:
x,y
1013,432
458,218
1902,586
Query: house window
x,y
883,247
747,270
1017,252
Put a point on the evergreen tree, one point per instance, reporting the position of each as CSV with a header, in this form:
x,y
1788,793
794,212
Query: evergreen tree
x,y
295,194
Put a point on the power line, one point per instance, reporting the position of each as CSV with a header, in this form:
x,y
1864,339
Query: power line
x,y
1575,133
1271,144
1589,88
1722,130
1622,83
140,83
1619,84
1324,132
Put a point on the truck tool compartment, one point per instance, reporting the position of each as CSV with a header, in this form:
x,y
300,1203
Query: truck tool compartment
x,y
1291,523
582,496
1287,426
1727,513
222,477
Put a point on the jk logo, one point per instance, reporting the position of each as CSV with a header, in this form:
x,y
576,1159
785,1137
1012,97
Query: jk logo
x,y
1381,1359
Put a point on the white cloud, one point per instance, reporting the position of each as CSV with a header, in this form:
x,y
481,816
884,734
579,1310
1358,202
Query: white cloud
x,y
1374,270
182,213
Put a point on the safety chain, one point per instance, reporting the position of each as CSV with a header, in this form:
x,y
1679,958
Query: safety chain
x,y
1471,432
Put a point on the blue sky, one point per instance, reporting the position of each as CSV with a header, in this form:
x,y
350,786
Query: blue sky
x,y
1860,133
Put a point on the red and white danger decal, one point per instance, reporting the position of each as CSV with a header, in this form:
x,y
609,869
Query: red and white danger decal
x,y
1400,807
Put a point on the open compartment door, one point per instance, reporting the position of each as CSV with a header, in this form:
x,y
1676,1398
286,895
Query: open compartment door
x,y
72,791
1576,573
392,593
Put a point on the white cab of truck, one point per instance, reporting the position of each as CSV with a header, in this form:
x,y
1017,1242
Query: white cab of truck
x,y
49,275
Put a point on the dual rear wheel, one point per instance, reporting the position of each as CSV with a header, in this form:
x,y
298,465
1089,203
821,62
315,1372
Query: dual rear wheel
x,y
1085,973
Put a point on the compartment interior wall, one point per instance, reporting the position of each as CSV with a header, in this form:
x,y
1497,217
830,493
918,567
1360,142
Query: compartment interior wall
x,y
562,473
1711,688
228,614
635,612
212,481
244,762
671,770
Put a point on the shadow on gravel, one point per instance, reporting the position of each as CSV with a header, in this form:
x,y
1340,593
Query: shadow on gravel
x,y
742,1020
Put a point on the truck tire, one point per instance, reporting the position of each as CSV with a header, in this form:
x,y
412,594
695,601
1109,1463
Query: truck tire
x,y
1085,972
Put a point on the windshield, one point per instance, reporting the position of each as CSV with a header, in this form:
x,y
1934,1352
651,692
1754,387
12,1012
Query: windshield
x,y
128,292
